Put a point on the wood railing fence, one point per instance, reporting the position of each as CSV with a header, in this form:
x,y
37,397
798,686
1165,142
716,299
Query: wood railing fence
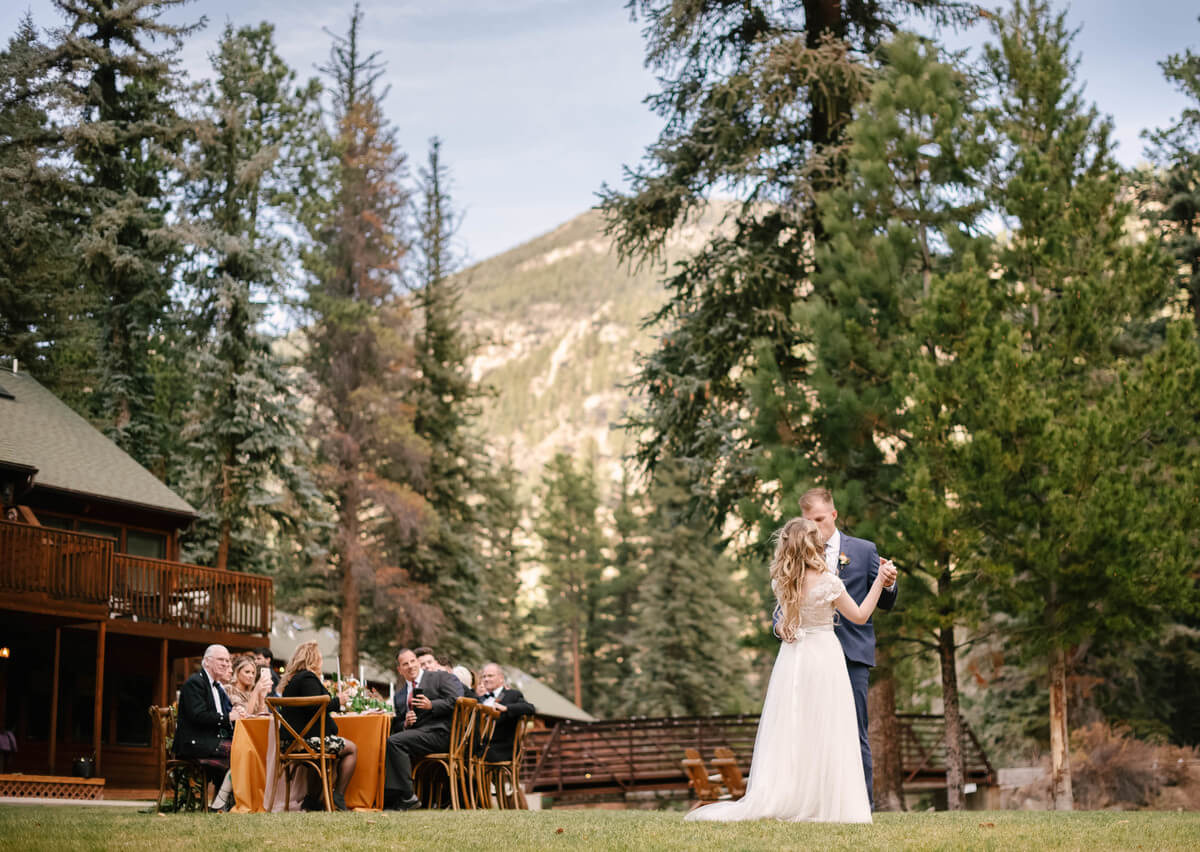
x,y
82,568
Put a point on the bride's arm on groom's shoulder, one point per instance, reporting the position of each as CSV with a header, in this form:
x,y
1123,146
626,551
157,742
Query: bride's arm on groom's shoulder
x,y
859,613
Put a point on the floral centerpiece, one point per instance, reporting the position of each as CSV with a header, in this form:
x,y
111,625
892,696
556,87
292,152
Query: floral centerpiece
x,y
362,699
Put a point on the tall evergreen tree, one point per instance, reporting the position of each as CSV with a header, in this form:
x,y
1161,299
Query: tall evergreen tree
x,y
1175,188
686,632
572,564
504,558
447,557
754,98
901,219
1083,473
248,469
360,353
44,321
116,93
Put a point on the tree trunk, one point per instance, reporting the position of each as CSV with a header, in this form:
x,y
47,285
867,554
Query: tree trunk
x,y
1060,755
226,526
576,673
348,643
955,770
884,734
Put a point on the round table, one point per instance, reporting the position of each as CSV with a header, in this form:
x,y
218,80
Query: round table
x,y
252,762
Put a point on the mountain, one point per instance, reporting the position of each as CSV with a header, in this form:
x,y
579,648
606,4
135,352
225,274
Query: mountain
x,y
560,320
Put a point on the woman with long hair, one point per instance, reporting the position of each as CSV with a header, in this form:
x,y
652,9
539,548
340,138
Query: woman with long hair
x,y
302,678
250,686
807,765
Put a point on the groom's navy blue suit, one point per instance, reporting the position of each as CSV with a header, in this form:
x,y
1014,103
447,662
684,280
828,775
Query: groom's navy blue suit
x,y
858,640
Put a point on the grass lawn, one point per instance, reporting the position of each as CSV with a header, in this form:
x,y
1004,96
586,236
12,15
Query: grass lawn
x,y
31,827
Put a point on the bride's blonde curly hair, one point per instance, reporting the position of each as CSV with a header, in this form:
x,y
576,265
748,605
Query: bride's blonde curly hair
x,y
798,550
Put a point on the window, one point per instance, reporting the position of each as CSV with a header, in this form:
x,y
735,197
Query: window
x,y
105,530
139,543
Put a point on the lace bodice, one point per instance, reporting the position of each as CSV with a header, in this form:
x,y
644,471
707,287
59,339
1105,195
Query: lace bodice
x,y
820,591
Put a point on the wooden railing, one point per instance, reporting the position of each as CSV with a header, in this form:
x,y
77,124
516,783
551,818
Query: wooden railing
x,y
190,595
585,759
82,568
66,565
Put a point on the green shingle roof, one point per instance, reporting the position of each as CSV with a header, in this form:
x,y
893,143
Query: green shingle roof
x,y
38,430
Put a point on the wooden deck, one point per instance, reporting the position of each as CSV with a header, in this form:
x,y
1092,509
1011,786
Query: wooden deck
x,y
58,572
580,760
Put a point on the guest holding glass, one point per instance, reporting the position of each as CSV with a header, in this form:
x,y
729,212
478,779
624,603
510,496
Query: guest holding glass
x,y
250,688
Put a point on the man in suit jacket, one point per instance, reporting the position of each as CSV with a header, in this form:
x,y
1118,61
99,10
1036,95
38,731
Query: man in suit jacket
x,y
856,561
204,728
513,706
424,708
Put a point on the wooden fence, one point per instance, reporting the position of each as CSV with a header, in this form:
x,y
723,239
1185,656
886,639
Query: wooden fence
x,y
576,760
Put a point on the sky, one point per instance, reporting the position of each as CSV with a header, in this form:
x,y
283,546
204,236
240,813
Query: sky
x,y
540,102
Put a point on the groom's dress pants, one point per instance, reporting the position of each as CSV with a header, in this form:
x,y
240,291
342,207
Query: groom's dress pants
x,y
860,676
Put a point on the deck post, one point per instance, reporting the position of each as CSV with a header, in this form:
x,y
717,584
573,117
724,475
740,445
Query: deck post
x,y
98,709
163,674
54,698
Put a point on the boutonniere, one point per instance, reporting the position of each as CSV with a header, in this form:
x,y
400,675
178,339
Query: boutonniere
x,y
843,561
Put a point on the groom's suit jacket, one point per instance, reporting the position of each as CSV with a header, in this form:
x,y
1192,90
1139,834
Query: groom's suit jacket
x,y
858,640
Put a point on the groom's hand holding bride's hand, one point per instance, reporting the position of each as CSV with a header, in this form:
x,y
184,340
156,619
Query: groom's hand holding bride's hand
x,y
887,573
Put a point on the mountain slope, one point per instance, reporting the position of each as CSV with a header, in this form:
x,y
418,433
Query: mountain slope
x,y
560,319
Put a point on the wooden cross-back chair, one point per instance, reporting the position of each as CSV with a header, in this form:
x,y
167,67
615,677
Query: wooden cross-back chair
x,y
505,775
706,789
453,764
485,728
186,775
295,751
726,763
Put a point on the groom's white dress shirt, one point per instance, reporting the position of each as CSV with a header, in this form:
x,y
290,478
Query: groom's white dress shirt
x,y
833,549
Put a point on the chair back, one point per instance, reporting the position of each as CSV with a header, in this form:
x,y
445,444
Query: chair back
x,y
726,763
486,718
462,723
697,775
298,748
162,725
518,752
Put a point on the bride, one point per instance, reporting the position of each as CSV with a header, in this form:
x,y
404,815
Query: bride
x,y
807,765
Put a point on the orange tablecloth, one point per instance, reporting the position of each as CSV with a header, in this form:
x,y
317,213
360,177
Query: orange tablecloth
x,y
252,762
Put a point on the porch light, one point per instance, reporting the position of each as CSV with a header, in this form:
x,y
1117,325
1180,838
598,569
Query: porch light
x,y
5,653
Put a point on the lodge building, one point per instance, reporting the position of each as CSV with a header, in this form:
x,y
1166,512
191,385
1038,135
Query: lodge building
x,y
98,618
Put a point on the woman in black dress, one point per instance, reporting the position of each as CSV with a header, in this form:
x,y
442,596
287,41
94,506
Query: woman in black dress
x,y
302,678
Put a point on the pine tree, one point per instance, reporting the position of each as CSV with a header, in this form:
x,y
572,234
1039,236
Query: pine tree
x,y
686,633
43,315
361,356
447,557
248,468
572,565
1082,471
116,93
875,413
754,99
503,557
1175,188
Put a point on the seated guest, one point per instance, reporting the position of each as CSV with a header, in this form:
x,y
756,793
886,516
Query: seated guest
x,y
250,688
265,658
512,705
424,707
467,677
302,679
426,659
431,662
204,727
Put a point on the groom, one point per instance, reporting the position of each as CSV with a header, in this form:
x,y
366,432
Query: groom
x,y
856,561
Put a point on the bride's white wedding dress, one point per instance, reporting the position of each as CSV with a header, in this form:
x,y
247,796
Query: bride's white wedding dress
x,y
807,766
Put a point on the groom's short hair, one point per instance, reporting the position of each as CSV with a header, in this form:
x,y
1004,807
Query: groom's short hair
x,y
815,495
